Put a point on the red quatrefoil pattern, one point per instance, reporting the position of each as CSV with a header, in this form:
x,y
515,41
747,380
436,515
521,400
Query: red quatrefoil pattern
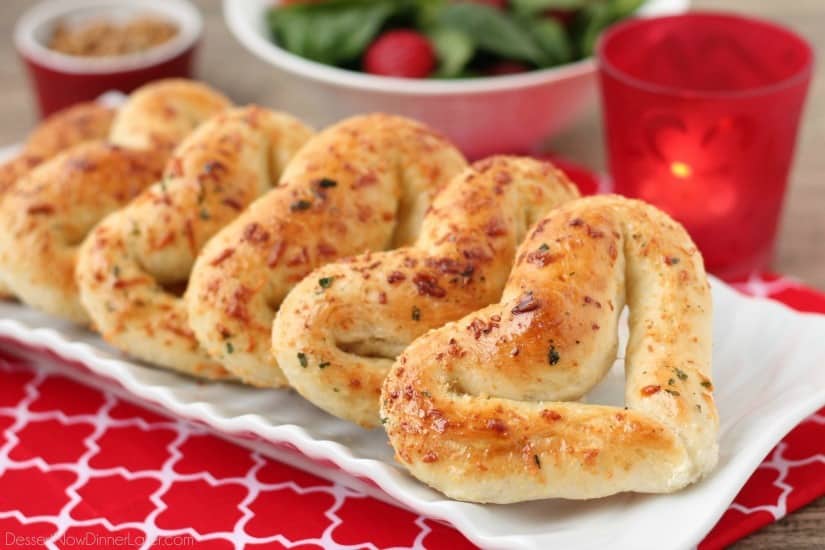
x,y
81,468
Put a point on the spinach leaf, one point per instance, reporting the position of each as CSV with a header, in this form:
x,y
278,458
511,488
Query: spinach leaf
x,y
493,31
619,9
594,18
531,7
335,32
454,50
426,13
552,38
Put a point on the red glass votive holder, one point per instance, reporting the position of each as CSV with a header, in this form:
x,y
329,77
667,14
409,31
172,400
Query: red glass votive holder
x,y
701,114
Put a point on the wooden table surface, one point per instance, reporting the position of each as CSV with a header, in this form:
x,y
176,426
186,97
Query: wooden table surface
x,y
801,245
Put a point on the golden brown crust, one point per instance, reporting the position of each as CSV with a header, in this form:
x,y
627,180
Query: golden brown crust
x,y
49,211
48,214
362,184
485,416
159,115
77,124
350,331
129,261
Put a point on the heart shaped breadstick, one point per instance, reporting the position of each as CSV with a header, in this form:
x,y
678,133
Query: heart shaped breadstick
x,y
131,264
339,331
362,184
47,213
481,408
62,130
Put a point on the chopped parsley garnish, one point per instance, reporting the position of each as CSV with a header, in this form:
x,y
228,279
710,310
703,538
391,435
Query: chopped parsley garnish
x,y
326,282
204,214
680,373
230,349
673,393
326,183
416,313
116,271
384,420
537,460
300,205
544,247
707,384
426,394
323,365
671,382
553,356
302,359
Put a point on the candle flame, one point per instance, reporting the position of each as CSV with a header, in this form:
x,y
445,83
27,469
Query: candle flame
x,y
680,170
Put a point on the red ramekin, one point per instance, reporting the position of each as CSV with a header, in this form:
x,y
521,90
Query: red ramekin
x,y
61,80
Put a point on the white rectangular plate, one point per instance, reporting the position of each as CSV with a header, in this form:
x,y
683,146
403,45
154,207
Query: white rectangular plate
x,y
768,375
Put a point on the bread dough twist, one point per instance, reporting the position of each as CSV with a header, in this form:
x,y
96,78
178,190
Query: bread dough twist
x,y
48,212
132,264
481,409
336,342
362,184
62,130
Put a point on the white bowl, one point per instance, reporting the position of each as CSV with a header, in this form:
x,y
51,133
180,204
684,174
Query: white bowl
x,y
513,113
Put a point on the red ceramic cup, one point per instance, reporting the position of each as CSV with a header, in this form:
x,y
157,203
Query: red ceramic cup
x,y
60,80
701,114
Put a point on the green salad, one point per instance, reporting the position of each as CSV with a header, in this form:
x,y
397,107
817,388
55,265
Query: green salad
x,y
444,38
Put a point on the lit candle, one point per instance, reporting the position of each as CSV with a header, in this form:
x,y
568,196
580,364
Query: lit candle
x,y
701,121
